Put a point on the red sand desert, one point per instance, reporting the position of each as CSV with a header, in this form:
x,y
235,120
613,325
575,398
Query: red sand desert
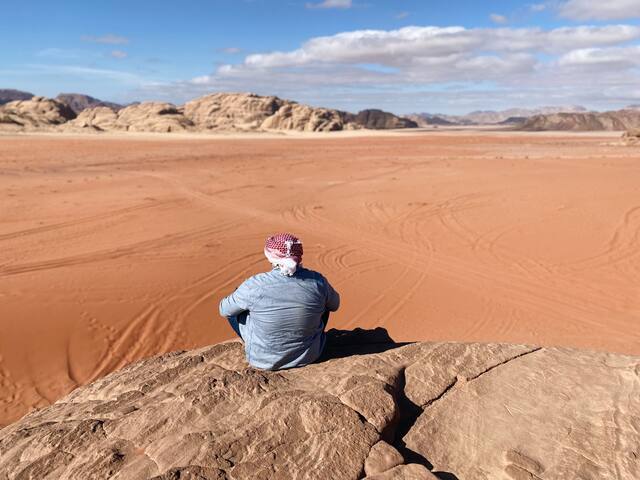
x,y
118,248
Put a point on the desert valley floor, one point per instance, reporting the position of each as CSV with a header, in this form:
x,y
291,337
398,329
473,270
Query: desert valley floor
x,y
116,248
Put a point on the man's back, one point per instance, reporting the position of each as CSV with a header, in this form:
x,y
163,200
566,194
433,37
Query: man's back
x,y
284,327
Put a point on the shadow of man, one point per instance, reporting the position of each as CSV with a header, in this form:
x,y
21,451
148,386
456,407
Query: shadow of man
x,y
344,343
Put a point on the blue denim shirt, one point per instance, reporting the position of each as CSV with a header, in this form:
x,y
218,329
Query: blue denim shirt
x,y
284,326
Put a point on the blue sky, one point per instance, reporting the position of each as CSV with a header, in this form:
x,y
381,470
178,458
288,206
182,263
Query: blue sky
x,y
402,55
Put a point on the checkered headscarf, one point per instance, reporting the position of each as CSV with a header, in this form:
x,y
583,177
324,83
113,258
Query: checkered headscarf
x,y
284,251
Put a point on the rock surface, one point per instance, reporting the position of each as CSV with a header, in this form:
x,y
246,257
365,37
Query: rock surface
x,y
466,411
37,113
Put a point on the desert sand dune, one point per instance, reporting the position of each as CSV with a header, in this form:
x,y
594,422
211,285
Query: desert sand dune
x,y
114,249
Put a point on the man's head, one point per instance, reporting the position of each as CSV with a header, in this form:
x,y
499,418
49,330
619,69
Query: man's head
x,y
284,251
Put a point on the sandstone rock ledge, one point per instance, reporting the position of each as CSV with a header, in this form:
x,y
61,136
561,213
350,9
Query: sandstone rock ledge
x,y
380,410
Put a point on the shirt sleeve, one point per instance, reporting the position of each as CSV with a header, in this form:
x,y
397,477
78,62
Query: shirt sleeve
x,y
333,298
239,301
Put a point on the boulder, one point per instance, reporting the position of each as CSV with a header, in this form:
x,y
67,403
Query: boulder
x,y
382,457
153,117
97,118
143,117
632,137
37,113
369,407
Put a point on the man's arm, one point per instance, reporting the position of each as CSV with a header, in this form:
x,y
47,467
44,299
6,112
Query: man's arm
x,y
239,301
333,298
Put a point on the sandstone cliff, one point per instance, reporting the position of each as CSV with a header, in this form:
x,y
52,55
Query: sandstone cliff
x,y
376,409
37,113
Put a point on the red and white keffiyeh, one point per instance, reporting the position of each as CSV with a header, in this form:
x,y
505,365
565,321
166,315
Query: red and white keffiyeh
x,y
284,251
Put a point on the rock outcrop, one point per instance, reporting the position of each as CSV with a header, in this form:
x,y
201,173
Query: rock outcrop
x,y
143,117
379,120
79,102
222,111
249,112
219,112
36,113
632,137
619,120
387,411
293,116
9,95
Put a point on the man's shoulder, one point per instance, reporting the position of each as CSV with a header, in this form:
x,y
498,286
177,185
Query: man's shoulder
x,y
306,273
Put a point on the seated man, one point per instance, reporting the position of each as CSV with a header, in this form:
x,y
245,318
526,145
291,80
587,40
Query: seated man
x,y
281,315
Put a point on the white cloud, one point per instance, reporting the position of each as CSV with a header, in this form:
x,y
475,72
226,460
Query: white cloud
x,y
118,54
108,39
620,58
596,65
331,4
499,19
600,10
538,7
411,46
401,15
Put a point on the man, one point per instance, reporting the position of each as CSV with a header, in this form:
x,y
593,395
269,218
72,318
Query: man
x,y
281,315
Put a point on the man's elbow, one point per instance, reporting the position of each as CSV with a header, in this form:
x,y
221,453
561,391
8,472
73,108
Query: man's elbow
x,y
222,309
335,304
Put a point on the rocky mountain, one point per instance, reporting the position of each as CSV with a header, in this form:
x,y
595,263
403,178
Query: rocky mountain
x,y
79,102
379,120
426,120
619,120
36,113
513,121
10,95
369,408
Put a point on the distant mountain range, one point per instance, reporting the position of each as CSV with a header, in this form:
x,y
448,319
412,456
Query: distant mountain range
x,y
618,120
490,117
79,102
